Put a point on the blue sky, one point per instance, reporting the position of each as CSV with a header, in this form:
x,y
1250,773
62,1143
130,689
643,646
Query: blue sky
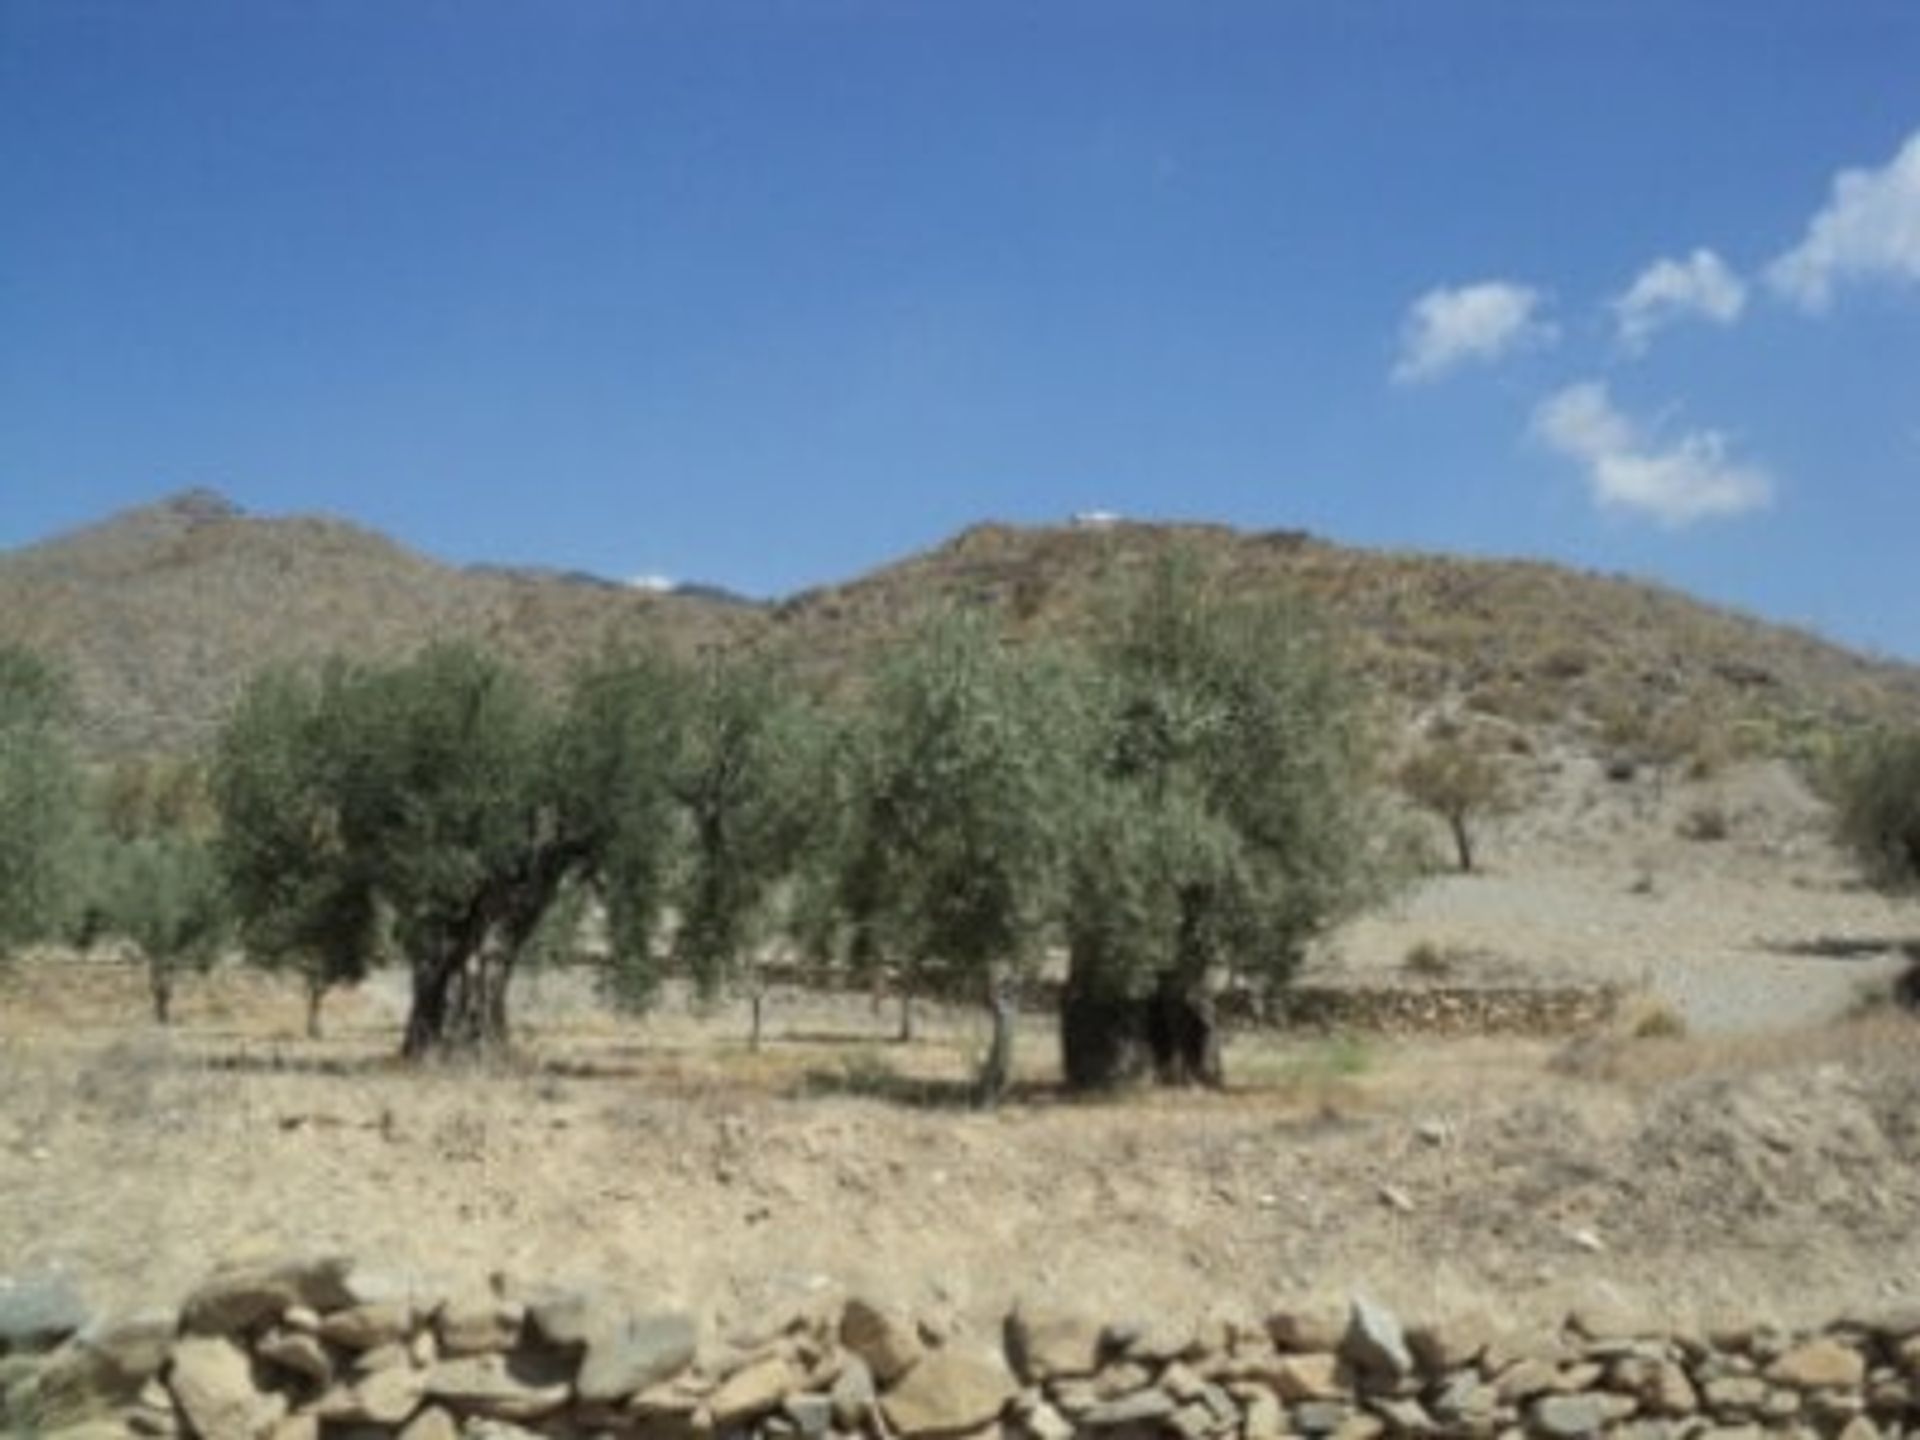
x,y
766,294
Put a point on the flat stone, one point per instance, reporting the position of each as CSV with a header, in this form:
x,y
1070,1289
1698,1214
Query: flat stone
x,y
1263,1418
297,1427
752,1390
1374,1342
1735,1394
432,1423
37,1312
1321,1417
1819,1365
948,1392
884,1339
107,1363
625,1353
1310,1377
362,1327
1044,1343
1570,1417
493,1386
1142,1407
212,1382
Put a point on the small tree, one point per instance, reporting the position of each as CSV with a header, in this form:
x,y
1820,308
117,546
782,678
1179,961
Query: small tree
x,y
1460,783
164,893
1226,824
958,780
40,803
743,777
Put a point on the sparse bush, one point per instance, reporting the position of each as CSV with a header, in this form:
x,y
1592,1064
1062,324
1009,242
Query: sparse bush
x,y
1875,787
1429,961
1706,822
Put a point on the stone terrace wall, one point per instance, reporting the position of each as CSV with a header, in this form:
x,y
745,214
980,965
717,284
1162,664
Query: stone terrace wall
x,y
299,1349
1448,1010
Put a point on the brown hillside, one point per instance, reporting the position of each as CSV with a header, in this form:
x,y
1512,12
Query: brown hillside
x,y
161,613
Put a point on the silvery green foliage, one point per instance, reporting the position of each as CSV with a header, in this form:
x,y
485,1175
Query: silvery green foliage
x,y
40,803
1877,807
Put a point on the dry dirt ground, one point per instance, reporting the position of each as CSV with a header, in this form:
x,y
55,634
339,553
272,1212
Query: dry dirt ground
x,y
1767,1164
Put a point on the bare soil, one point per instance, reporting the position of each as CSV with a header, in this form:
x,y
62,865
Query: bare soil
x,y
1765,1165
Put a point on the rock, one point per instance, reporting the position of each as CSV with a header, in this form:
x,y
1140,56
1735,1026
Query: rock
x,y
1819,1365
303,1318
1396,1199
107,1363
297,1427
1468,1403
947,1392
1310,1377
1735,1394
432,1423
362,1327
298,1352
1142,1407
752,1390
1374,1343
1264,1419
885,1340
495,1387
1041,1421
1443,1347
37,1312
212,1382
627,1353
812,1415
1524,1379
1043,1343
1670,1391
1603,1313
390,1356
390,1397
478,1325
1405,1416
1321,1417
244,1296
1155,1341
89,1430
1120,1379
1859,1428
853,1394
1570,1417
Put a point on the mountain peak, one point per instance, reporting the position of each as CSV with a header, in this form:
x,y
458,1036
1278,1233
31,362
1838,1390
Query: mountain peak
x,y
200,503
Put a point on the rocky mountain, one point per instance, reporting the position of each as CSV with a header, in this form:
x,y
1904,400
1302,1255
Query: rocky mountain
x,y
161,613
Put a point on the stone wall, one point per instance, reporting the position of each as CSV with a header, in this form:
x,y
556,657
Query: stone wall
x,y
1447,1010
296,1349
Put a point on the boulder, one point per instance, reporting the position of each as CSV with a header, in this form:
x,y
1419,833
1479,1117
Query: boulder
x,y
212,1383
478,1324
1309,1328
883,1338
1572,1417
812,1415
390,1397
853,1394
947,1393
37,1312
296,1352
1310,1377
107,1363
432,1423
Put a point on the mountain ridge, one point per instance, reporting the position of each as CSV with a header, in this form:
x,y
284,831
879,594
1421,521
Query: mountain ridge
x,y
162,611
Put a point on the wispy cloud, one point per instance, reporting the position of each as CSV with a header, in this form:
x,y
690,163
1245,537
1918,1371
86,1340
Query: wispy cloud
x,y
1701,286
1447,328
1688,479
1868,229
659,584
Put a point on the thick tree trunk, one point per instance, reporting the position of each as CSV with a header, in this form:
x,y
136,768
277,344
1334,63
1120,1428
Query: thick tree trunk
x,y
160,985
997,1070
1183,1030
1462,842
459,1005
1103,1038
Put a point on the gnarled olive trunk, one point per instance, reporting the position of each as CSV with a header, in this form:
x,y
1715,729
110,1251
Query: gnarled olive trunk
x,y
1183,1031
997,1070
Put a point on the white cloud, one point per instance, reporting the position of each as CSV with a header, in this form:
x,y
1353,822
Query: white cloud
x,y
1445,329
1701,285
1687,480
1869,228
659,584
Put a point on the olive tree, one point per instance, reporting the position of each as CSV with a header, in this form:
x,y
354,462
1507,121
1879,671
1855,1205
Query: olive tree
x,y
40,803
163,892
443,799
743,777
1226,822
956,775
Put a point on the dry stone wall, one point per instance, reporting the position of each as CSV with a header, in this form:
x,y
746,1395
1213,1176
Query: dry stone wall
x,y
301,1349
